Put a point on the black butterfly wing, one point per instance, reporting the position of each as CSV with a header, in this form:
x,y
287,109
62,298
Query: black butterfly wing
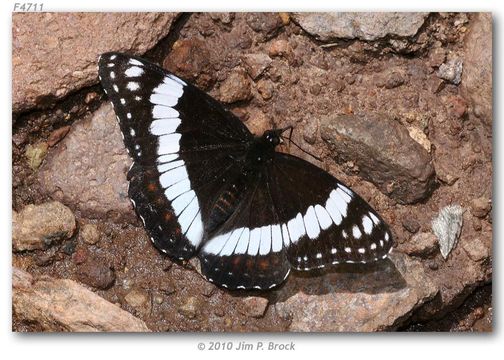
x,y
247,252
292,214
323,221
182,142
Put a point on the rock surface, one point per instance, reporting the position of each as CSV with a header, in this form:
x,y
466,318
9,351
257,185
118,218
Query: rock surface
x,y
385,153
87,171
64,305
73,41
348,301
421,245
40,226
296,87
331,26
477,75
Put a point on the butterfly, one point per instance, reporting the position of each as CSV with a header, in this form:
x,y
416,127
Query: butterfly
x,y
204,185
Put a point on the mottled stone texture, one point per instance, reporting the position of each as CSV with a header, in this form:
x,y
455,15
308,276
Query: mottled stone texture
x,y
54,54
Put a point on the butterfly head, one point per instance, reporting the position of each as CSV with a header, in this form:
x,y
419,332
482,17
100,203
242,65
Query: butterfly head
x,y
272,137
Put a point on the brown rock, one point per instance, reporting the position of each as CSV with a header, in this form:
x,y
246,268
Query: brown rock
x,y
190,59
254,306
346,301
411,225
64,305
280,48
437,56
422,245
137,298
385,153
40,226
96,272
90,234
480,207
57,135
265,88
256,64
267,24
235,88
88,170
476,249
477,76
190,308
393,80
67,48
258,122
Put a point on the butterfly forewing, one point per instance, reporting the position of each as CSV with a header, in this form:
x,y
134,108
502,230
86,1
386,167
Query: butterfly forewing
x,y
181,141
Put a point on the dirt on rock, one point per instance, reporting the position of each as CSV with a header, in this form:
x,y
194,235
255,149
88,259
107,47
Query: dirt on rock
x,y
401,113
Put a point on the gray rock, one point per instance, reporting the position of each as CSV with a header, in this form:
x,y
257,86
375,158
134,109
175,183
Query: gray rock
x,y
40,226
385,153
477,77
64,305
69,45
447,227
87,171
451,71
356,301
330,26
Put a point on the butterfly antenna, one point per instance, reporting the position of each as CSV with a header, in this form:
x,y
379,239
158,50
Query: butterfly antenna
x,y
291,128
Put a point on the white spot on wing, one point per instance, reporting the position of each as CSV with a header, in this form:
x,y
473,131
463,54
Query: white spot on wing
x,y
367,224
181,202
134,71
332,209
323,217
164,126
296,228
169,144
265,246
276,238
285,235
173,176
356,232
231,242
241,247
188,214
311,223
134,62
163,99
164,112
376,221
254,242
132,86
177,189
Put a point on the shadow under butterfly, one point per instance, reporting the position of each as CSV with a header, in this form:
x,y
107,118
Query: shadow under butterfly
x,y
204,186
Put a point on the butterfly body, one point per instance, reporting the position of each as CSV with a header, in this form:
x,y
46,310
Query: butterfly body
x,y
204,186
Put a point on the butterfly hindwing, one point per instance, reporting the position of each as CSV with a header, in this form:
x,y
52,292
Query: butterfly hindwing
x,y
325,222
247,252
